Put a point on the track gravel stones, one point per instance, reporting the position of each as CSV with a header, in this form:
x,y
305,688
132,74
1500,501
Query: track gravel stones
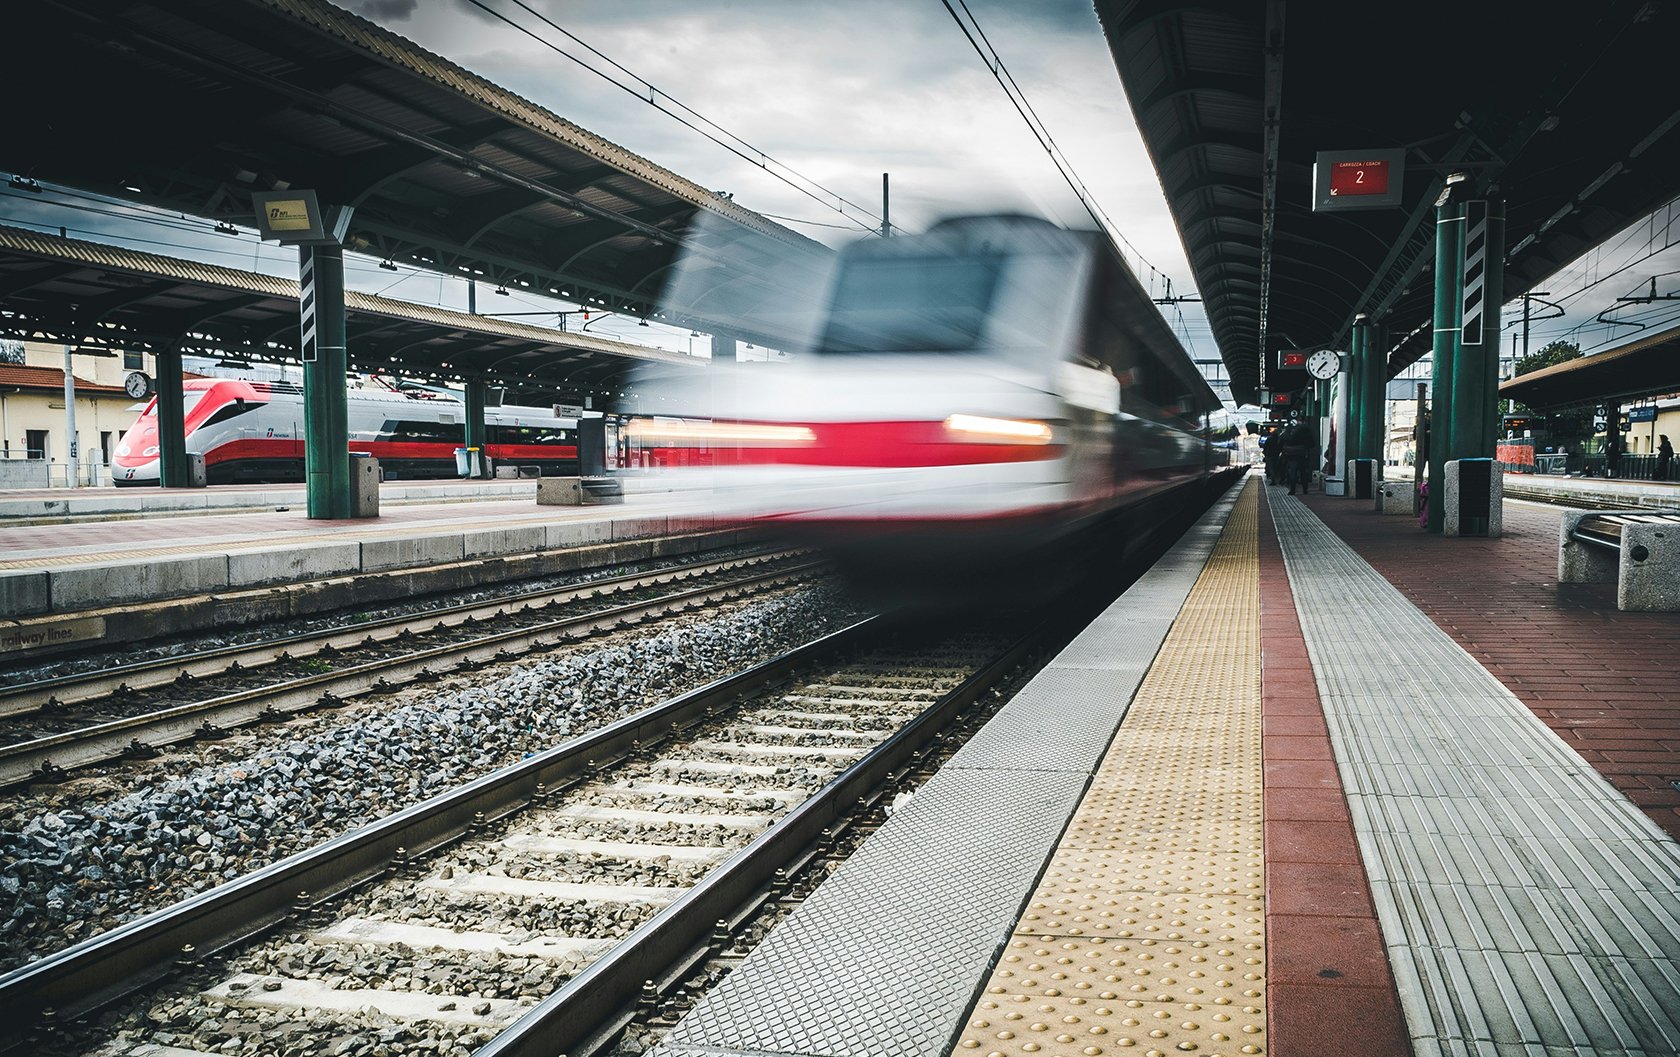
x,y
87,856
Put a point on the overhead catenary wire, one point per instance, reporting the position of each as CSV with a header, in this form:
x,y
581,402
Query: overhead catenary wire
x,y
645,91
1000,72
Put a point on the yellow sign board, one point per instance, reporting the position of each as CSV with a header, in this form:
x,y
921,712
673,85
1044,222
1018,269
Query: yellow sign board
x,y
288,214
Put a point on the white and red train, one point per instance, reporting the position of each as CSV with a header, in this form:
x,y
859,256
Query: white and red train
x,y
253,431
990,386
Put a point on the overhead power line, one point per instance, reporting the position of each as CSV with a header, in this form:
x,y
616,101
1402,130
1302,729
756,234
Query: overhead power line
x,y
642,89
994,62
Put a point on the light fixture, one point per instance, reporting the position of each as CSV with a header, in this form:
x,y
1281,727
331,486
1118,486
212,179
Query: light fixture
x,y
502,290
224,228
21,184
388,265
643,323
694,333
132,186
242,365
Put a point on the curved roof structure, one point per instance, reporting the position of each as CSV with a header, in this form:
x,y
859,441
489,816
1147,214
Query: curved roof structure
x,y
1556,110
90,294
194,104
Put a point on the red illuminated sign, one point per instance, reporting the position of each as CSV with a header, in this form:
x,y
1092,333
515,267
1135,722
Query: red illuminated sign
x,y
1293,359
1281,399
1358,178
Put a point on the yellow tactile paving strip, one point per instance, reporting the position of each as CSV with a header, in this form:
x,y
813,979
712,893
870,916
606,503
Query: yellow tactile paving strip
x,y
1146,934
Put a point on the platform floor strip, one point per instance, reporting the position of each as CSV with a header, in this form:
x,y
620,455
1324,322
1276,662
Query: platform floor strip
x,y
1527,906
1146,933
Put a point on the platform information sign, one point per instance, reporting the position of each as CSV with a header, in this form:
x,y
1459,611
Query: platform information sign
x,y
1369,179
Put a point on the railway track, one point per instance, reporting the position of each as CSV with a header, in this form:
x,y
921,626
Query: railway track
x,y
540,906
58,725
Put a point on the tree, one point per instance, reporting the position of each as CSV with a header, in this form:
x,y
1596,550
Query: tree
x,y
1563,427
11,352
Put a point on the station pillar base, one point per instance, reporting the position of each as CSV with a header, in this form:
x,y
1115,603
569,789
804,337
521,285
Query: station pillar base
x,y
1397,496
1475,496
1362,478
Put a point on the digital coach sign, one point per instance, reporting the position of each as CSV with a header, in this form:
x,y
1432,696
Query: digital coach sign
x,y
1358,179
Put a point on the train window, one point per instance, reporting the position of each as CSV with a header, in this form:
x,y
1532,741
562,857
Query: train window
x,y
529,435
424,431
919,304
233,410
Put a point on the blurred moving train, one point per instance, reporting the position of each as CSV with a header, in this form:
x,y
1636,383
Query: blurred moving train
x,y
253,431
985,388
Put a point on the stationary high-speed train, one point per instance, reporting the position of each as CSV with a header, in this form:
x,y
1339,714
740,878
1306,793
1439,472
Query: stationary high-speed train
x,y
991,385
253,431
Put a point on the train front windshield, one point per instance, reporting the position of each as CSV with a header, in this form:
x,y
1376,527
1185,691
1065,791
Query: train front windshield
x,y
910,304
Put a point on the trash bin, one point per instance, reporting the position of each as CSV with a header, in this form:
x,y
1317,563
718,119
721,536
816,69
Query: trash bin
x,y
463,462
364,485
197,477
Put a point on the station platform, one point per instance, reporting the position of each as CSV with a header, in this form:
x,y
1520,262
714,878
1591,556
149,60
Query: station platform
x,y
112,578
1597,493
1270,801
69,505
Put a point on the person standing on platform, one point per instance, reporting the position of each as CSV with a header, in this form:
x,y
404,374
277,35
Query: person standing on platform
x,y
1665,456
1612,454
1297,452
1270,448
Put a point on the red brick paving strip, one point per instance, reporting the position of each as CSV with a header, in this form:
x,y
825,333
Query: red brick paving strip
x,y
1604,680
1328,985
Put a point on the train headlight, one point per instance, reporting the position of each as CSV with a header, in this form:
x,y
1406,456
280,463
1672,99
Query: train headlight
x,y
149,452
998,430
702,433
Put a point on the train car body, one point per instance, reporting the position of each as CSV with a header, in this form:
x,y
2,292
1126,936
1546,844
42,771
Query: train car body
x,y
982,389
253,431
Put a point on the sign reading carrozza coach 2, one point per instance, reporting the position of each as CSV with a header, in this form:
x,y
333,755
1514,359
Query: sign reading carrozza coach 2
x,y
1358,179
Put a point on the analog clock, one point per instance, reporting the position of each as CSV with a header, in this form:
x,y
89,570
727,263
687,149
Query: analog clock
x,y
1324,363
138,385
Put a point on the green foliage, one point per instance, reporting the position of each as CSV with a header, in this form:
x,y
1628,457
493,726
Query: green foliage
x,y
1569,428
1549,355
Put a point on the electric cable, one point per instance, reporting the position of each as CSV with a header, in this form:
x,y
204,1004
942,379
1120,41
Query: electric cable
x,y
745,151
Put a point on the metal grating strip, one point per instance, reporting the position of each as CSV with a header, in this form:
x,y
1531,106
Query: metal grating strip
x,y
1527,905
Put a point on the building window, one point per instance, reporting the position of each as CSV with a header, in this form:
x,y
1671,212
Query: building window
x,y
105,446
134,360
36,441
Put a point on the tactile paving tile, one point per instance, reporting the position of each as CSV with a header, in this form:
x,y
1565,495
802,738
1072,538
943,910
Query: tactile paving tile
x,y
1146,932
1527,906
1065,997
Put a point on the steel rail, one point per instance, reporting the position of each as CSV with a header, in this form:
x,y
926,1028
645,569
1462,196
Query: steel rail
x,y
103,969
57,754
79,688
584,1016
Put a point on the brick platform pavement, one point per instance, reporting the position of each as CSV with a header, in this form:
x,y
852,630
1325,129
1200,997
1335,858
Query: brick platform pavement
x,y
1606,681
1328,982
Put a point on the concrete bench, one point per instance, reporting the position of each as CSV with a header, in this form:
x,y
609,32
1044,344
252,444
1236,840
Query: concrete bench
x,y
579,491
1640,551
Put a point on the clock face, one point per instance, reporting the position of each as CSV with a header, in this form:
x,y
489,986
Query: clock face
x,y
1324,363
137,384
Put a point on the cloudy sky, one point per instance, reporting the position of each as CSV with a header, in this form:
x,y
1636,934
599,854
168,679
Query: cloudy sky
x,y
839,93
842,92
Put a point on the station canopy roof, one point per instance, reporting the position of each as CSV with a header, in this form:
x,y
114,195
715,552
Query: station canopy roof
x,y
192,105
92,295
1562,110
1647,366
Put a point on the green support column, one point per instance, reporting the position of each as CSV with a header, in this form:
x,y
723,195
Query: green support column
x,y
1449,260
173,471
1354,443
1374,419
1475,427
723,348
476,432
326,418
